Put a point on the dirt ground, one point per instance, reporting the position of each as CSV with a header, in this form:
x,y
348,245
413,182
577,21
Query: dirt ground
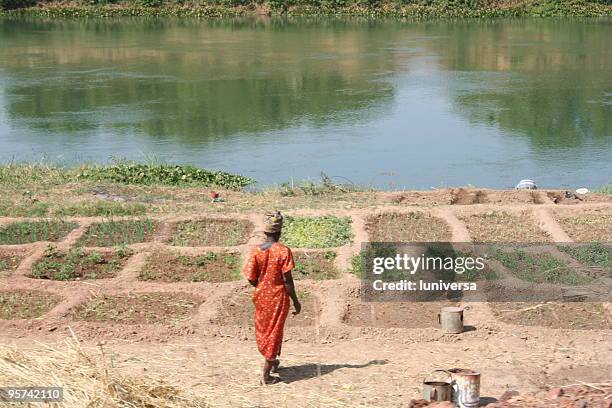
x,y
341,351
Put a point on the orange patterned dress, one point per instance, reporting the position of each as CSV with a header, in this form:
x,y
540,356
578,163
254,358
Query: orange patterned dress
x,y
270,298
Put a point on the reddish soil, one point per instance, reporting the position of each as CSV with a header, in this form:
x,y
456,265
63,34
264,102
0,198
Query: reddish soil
x,y
143,308
393,314
317,265
206,267
570,315
10,260
211,232
238,309
25,304
406,227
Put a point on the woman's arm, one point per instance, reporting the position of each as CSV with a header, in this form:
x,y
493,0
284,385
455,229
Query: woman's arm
x,y
290,288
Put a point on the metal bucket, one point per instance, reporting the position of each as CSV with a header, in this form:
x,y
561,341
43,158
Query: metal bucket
x,y
466,387
437,391
451,319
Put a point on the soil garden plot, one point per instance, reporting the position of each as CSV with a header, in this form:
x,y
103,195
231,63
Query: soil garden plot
x,y
315,265
123,232
596,257
25,232
238,310
142,308
569,315
500,226
21,304
316,232
212,232
595,227
9,261
207,267
540,267
409,227
393,314
77,264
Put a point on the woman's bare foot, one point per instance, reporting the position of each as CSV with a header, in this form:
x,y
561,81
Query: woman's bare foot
x,y
275,366
269,380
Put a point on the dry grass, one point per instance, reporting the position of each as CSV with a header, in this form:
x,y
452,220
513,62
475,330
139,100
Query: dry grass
x,y
88,379
500,226
588,227
410,227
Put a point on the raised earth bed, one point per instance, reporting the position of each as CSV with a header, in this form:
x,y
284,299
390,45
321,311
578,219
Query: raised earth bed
x,y
569,315
121,232
238,310
10,260
22,304
205,267
407,227
25,232
212,232
315,265
316,232
500,226
539,267
596,257
594,227
141,308
393,314
77,264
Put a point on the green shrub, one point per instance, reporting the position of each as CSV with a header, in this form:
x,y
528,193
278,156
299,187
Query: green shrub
x,y
165,174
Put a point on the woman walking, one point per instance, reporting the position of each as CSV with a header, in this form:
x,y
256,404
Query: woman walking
x,y
269,271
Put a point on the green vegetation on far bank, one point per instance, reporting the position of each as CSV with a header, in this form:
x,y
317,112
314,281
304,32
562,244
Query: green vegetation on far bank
x,y
124,172
421,9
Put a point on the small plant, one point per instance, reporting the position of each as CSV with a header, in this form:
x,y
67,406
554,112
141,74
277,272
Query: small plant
x,y
19,304
78,264
25,232
607,189
3,265
207,267
124,232
539,268
212,232
316,232
595,255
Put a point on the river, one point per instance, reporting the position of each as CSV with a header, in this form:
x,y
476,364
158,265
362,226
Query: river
x,y
384,103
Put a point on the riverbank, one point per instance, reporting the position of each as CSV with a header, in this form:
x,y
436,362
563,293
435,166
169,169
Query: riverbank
x,y
162,327
129,189
368,8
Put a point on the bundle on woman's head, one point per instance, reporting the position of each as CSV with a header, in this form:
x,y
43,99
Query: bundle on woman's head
x,y
273,222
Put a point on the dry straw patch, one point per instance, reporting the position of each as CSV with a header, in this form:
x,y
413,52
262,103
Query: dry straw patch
x,y
409,227
142,308
88,379
501,226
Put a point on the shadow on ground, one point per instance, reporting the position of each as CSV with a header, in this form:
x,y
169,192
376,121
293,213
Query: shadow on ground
x,y
307,371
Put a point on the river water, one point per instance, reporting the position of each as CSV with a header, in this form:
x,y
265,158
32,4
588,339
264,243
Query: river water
x,y
387,103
